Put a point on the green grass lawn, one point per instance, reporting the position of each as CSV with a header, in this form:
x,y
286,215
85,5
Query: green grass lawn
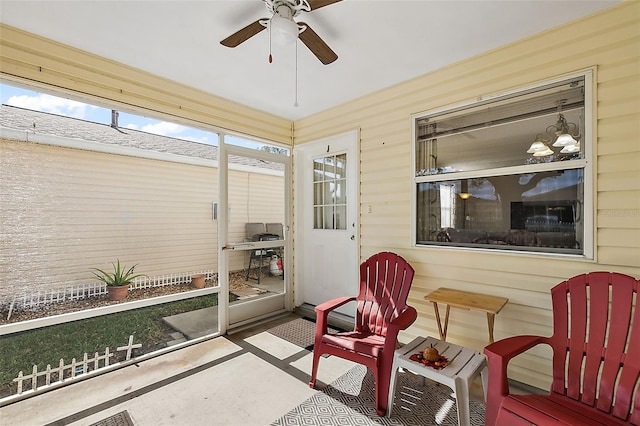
x,y
21,351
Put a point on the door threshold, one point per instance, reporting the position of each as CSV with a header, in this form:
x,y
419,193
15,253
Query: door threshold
x,y
336,320
254,322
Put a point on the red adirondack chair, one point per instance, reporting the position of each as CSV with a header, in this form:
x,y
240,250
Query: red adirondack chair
x,y
385,280
596,358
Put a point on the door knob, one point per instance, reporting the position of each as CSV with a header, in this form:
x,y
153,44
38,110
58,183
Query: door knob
x,y
353,237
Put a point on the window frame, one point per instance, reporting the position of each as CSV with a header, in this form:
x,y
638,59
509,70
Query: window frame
x,y
586,164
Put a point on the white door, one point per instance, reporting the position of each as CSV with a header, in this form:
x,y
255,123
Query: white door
x,y
327,220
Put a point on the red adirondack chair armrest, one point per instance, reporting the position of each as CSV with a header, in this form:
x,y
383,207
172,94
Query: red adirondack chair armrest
x,y
507,348
323,310
501,352
330,305
498,356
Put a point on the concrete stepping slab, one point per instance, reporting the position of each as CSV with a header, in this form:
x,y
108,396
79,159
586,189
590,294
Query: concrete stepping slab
x,y
196,323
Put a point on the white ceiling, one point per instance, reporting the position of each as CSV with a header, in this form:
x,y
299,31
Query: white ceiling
x,y
379,43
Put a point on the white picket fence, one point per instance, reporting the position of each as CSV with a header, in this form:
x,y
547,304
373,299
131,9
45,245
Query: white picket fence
x,y
69,372
165,280
98,288
45,297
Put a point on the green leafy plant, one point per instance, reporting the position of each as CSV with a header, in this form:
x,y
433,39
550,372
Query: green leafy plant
x,y
120,275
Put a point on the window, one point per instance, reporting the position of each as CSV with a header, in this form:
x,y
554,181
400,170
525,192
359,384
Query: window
x,y
508,172
329,192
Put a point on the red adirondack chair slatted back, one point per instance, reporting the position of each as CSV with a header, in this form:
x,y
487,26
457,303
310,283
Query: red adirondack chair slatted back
x,y
596,341
385,280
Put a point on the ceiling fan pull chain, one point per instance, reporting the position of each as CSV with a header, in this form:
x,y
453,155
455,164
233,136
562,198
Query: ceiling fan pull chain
x,y
270,57
296,79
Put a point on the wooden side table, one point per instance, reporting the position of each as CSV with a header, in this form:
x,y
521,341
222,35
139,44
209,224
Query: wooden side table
x,y
465,300
464,365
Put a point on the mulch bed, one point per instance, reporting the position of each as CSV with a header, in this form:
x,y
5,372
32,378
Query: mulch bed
x,y
237,282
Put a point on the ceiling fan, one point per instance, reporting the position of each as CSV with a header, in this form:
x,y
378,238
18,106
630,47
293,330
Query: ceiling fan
x,y
284,29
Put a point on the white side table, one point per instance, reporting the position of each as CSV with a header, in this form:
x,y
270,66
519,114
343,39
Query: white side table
x,y
464,365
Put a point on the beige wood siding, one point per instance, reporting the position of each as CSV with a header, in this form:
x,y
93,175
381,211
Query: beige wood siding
x,y
608,41
66,210
31,59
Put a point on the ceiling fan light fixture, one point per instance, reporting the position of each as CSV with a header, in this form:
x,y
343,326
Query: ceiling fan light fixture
x,y
284,30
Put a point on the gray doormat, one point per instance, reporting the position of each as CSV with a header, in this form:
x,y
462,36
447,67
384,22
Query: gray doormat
x,y
119,419
300,331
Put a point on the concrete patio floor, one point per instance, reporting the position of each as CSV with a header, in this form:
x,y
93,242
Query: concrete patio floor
x,y
251,377
248,378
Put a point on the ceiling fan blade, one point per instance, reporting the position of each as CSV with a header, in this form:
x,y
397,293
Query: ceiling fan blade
x,y
243,35
317,46
317,4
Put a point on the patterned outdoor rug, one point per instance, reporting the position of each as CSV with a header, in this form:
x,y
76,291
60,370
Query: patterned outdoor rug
x,y
350,400
299,331
119,419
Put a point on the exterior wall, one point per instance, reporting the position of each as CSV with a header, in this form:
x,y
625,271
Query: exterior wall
x,y
607,40
253,198
65,210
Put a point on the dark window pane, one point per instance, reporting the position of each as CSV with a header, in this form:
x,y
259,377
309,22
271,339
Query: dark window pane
x,y
533,212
